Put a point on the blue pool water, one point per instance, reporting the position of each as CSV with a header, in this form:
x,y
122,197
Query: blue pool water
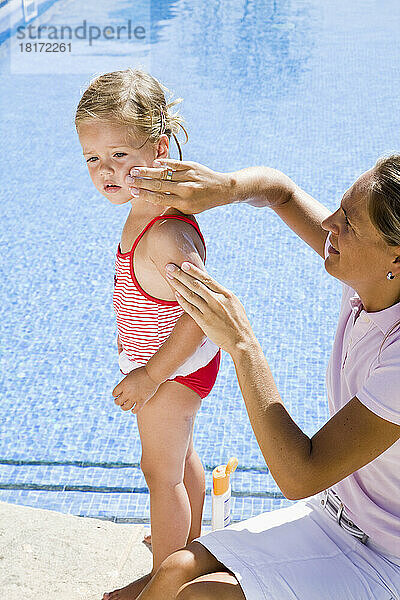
x,y
296,85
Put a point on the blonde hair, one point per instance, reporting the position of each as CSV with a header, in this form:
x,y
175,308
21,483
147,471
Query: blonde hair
x,y
383,205
135,99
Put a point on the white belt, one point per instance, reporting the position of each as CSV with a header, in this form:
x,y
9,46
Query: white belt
x,y
203,355
335,509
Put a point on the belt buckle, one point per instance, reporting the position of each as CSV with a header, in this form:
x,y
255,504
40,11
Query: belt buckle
x,y
364,539
339,512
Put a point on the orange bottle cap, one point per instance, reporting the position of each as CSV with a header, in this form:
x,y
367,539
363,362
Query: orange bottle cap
x,y
221,476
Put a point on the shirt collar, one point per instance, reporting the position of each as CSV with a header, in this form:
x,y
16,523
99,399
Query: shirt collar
x,y
384,319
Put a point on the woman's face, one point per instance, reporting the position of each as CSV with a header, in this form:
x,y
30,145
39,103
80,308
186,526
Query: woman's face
x,y
363,259
110,154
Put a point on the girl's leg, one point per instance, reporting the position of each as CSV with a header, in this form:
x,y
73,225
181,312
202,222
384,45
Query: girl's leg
x,y
195,484
165,425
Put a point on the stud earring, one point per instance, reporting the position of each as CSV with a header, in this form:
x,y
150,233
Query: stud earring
x,y
390,275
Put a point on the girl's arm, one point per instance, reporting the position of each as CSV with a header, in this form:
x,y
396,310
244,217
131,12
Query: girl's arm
x,y
181,344
174,241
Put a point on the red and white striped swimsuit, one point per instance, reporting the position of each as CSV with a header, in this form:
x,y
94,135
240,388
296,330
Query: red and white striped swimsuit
x,y
145,322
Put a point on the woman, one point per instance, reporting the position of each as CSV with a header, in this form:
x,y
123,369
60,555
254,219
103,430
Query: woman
x,y
338,544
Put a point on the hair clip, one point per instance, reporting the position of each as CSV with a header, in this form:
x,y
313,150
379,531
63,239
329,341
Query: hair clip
x,y
162,120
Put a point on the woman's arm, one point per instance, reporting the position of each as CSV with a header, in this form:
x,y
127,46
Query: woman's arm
x,y
300,466
262,186
304,215
195,188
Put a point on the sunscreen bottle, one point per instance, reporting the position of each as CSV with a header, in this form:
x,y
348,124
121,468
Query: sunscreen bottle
x,y
221,495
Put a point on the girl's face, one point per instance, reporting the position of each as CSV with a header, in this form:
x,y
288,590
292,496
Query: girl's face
x,y
363,258
110,154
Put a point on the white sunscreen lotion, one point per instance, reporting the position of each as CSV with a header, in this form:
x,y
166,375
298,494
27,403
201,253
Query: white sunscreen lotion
x,y
221,495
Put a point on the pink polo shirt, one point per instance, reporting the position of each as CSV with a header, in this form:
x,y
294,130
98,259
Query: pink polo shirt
x,y
370,495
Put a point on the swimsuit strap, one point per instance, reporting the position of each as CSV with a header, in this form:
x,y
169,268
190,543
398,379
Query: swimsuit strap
x,y
161,217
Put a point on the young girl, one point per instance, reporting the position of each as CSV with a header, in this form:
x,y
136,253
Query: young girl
x,y
169,364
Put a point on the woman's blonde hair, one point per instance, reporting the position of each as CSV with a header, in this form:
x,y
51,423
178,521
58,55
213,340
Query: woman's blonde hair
x,y
383,205
134,99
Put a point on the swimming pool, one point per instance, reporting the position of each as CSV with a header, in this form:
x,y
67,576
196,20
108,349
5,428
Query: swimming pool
x,y
309,89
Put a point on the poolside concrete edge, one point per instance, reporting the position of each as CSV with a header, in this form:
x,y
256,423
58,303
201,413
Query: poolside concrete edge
x,y
46,554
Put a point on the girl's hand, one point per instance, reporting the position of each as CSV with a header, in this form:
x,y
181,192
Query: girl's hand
x,y
135,389
192,189
119,345
218,312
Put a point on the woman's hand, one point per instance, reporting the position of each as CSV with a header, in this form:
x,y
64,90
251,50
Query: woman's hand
x,y
136,388
218,312
192,188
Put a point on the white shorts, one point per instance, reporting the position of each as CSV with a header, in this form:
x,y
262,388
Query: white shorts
x,y
300,553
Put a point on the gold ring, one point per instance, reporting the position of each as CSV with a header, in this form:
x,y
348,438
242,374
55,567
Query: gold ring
x,y
167,174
